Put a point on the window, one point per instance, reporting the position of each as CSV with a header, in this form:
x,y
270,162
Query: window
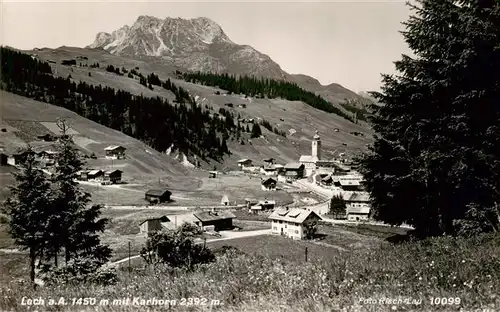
x,y
285,225
296,231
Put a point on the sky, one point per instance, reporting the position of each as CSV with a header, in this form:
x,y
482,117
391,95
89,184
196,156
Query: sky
x,y
350,42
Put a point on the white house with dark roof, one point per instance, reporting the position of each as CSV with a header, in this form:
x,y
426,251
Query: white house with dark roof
x,y
268,184
358,206
292,222
245,162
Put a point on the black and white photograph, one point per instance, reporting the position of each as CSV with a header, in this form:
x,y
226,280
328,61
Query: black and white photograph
x,y
260,156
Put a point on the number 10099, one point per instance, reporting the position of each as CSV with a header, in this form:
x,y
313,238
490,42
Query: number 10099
x,y
445,301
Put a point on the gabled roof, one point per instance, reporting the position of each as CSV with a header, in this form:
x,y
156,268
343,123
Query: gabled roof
x,y
158,193
212,216
266,202
359,197
268,181
182,218
293,166
278,166
295,215
349,182
224,199
95,171
113,147
112,171
161,219
308,158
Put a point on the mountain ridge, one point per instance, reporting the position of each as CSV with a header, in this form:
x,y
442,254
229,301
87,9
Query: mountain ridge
x,y
200,44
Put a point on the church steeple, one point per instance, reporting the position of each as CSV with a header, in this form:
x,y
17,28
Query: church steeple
x,y
316,146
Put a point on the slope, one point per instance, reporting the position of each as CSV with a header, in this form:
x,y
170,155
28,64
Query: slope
x,y
28,119
282,114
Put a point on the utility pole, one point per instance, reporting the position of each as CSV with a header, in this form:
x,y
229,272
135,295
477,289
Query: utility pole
x,y
306,254
129,255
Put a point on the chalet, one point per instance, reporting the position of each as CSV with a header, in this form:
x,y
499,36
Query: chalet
x,y
358,206
47,137
269,161
350,182
96,175
220,220
115,152
225,200
268,170
17,158
82,175
250,202
263,205
113,176
47,155
294,170
156,196
242,163
268,184
292,223
177,220
212,174
147,227
327,180
242,105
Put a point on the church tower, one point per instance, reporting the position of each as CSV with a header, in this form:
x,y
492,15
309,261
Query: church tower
x,y
316,146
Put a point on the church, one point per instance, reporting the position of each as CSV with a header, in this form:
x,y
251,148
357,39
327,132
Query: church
x,y
313,161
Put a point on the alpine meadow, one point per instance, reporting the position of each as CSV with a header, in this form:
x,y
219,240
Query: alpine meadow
x,y
166,167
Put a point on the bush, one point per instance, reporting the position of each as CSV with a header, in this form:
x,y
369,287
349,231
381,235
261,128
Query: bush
x,y
79,270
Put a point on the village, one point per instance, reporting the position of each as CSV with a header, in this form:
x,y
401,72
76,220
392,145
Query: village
x,y
311,174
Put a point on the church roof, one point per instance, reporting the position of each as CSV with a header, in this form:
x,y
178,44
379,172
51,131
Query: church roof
x,y
316,135
308,159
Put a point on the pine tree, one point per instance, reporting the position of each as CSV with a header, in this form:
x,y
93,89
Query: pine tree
x,y
28,209
256,132
78,225
435,163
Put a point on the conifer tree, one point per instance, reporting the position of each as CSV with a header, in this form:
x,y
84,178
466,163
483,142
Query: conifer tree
x,y
435,163
256,132
78,224
28,209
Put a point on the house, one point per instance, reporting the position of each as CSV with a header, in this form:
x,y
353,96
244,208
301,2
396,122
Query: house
x,y
242,163
327,180
148,226
212,174
350,182
358,206
269,161
292,223
82,175
225,200
177,220
17,158
242,105
113,176
115,152
220,220
47,155
294,171
269,170
156,196
263,205
96,175
47,137
250,202
268,184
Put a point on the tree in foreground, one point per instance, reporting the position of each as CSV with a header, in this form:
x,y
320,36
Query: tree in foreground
x,y
74,222
435,163
28,209
337,206
176,248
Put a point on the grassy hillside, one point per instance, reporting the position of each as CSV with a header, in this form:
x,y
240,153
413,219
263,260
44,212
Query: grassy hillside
x,y
28,118
297,116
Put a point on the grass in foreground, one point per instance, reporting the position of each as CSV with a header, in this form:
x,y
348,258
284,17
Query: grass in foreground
x,y
442,267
